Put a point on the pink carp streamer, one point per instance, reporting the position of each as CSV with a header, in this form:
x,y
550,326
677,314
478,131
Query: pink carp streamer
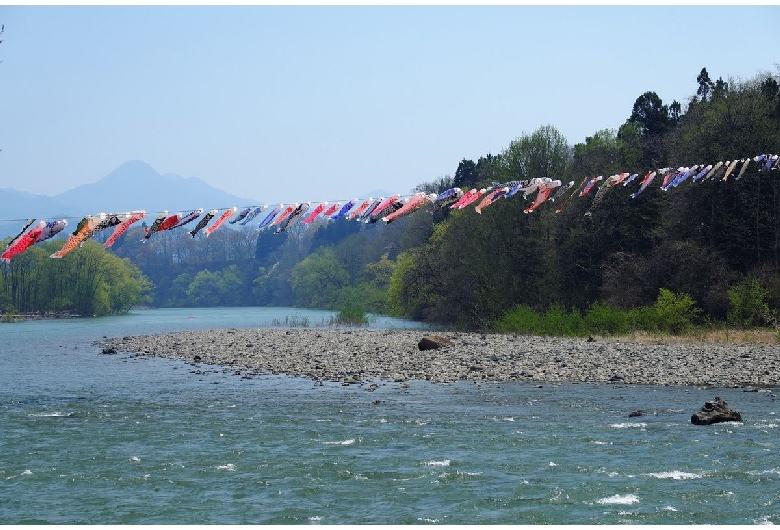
x,y
416,201
121,228
23,242
221,220
545,189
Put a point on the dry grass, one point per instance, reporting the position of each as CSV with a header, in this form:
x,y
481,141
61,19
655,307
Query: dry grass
x,y
721,336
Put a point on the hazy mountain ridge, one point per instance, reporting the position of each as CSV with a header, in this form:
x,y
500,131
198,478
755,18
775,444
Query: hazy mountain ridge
x,y
135,185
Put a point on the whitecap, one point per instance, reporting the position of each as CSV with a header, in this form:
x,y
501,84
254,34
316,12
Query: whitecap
x,y
437,463
26,472
227,467
601,443
619,499
552,464
628,425
134,459
427,520
315,519
669,508
773,471
341,442
675,475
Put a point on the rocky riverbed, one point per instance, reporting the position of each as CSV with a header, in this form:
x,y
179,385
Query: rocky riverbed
x,y
354,356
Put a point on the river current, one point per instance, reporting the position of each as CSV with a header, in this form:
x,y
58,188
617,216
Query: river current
x,y
87,438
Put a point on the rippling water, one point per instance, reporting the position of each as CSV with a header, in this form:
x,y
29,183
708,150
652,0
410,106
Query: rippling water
x,y
88,438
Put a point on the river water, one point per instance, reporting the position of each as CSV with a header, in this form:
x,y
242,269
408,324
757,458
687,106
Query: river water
x,y
87,438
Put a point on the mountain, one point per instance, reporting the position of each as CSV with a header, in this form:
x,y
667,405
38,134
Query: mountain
x,y
134,185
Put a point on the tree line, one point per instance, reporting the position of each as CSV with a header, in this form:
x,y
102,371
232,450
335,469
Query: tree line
x,y
88,282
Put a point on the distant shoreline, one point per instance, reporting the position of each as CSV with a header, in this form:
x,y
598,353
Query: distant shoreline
x,y
362,356
9,318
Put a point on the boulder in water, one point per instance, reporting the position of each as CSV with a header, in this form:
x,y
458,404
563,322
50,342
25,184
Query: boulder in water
x,y
715,411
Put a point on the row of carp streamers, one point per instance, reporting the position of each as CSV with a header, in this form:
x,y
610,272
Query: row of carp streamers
x,y
373,210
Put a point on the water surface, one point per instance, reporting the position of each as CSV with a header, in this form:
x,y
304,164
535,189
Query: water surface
x,y
114,439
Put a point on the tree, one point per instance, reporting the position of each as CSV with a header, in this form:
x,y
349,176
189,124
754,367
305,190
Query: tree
x,y
599,154
654,121
437,186
705,85
317,279
89,281
543,154
488,168
651,114
466,176
630,145
675,109
720,88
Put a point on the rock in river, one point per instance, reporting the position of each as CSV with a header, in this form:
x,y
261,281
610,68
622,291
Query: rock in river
x,y
715,411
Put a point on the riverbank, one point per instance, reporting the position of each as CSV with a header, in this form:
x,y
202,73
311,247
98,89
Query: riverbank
x,y
24,317
351,356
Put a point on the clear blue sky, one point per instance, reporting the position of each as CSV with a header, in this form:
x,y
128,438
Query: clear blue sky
x,y
283,104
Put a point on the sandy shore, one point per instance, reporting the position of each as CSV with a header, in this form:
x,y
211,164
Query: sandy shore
x,y
362,356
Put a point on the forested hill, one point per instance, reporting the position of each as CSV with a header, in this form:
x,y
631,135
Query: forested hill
x,y
708,241
701,238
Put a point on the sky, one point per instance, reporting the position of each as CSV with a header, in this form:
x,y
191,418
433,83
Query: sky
x,y
295,103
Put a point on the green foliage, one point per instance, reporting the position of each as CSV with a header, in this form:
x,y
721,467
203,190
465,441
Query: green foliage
x,y
543,153
317,279
674,312
554,322
612,265
87,281
748,306
599,154
520,319
352,315
604,320
599,319
557,322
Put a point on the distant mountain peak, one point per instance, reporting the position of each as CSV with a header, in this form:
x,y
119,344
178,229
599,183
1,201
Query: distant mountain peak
x,y
133,169
133,185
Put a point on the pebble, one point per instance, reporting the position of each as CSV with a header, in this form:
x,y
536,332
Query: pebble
x,y
356,356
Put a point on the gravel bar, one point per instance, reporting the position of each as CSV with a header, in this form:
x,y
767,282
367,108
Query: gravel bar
x,y
351,356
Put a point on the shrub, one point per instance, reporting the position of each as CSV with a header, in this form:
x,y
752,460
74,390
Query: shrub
x,y
748,306
642,318
604,320
352,316
674,312
558,323
521,319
